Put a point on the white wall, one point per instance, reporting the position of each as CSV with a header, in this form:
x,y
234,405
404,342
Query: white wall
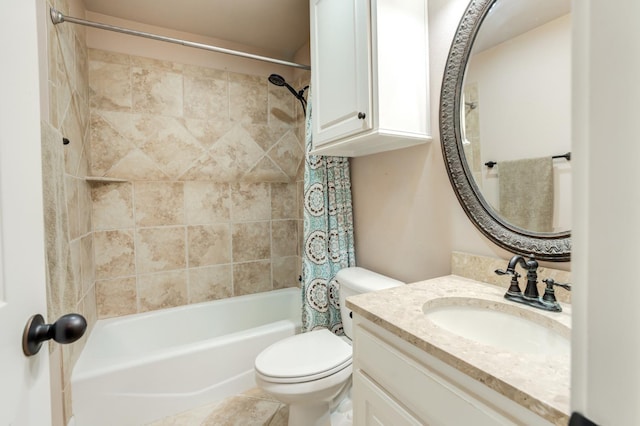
x,y
606,317
407,218
524,107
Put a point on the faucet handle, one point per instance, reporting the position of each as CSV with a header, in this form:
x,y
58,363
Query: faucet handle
x,y
550,282
507,272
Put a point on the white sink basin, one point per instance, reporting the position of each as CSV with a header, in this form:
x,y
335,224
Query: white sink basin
x,y
499,329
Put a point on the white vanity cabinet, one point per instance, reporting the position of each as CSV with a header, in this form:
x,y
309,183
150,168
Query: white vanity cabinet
x,y
370,75
395,383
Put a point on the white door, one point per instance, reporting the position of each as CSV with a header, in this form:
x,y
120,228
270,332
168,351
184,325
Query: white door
x,y
24,382
341,62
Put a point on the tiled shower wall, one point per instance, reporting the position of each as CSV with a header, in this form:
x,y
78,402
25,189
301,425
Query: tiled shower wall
x,y
197,183
67,196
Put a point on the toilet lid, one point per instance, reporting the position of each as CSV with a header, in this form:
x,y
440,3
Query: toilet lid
x,y
304,357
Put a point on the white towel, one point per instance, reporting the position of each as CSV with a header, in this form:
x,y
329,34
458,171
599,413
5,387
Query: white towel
x,y
526,193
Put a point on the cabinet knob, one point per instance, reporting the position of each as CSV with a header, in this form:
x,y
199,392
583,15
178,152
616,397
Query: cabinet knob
x,y
361,115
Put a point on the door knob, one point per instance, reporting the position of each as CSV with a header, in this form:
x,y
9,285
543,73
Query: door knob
x,y
362,115
67,329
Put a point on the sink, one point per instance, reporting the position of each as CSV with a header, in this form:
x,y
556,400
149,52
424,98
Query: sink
x,y
504,330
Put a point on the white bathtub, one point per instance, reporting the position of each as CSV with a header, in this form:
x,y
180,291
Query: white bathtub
x,y
143,367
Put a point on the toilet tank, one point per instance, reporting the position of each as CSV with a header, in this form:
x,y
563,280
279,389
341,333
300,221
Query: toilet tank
x,y
358,280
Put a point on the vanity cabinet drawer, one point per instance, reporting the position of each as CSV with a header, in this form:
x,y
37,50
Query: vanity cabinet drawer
x,y
433,399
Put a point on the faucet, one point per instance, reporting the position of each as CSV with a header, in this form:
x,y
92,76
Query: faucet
x,y
531,296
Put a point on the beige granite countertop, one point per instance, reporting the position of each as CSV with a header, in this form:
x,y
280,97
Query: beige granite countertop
x,y
540,383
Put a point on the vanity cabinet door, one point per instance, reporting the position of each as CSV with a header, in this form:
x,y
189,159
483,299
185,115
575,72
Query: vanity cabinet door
x,y
375,407
341,77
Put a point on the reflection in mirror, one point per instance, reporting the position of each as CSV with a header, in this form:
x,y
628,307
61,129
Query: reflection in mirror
x,y
516,112
497,133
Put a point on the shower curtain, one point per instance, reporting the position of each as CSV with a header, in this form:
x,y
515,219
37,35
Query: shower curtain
x,y
328,235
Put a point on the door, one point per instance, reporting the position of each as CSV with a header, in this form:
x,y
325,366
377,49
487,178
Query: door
x,y
24,382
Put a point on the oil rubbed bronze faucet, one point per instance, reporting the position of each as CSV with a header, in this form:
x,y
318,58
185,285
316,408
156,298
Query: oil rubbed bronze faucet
x,y
531,296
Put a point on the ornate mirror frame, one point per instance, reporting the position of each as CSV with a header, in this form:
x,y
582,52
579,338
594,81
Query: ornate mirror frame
x,y
544,246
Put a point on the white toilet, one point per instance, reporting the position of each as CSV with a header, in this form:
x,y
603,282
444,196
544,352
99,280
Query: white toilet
x,y
312,371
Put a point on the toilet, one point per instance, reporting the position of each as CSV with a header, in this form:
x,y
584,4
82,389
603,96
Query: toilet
x,y
312,371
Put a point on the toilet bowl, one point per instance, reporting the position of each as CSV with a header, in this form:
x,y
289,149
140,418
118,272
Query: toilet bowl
x,y
312,371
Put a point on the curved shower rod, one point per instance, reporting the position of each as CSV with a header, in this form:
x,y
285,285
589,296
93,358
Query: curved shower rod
x,y
57,18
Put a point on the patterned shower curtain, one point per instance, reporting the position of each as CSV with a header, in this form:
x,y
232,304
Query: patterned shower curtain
x,y
328,235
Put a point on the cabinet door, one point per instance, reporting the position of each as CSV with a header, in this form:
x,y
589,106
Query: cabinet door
x,y
341,68
373,407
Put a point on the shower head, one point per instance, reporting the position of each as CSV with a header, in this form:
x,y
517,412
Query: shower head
x,y
278,80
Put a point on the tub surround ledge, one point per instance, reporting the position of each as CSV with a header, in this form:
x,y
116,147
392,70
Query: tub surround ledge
x,y
539,383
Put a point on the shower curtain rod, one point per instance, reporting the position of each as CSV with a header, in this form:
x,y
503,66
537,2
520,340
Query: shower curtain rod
x,y
57,18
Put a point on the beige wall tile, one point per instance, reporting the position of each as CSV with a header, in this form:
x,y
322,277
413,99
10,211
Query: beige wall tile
x,y
206,96
207,131
75,259
281,106
87,263
251,277
284,201
112,205
228,159
89,309
159,203
156,91
287,154
251,241
114,254
162,290
116,297
264,135
157,64
248,98
71,193
209,244
110,86
173,148
210,283
265,171
108,57
160,249
284,238
84,206
108,147
73,130
135,165
193,142
207,202
250,201
285,272
300,224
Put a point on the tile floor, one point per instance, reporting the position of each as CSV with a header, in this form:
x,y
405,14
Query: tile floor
x,y
252,408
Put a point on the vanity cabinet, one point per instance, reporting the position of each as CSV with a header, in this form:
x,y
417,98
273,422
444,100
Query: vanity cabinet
x,y
370,75
395,383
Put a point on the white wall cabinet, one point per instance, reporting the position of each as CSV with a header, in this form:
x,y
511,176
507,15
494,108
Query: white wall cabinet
x,y
395,383
370,75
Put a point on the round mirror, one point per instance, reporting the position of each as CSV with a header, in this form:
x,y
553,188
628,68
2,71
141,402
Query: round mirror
x,y
505,123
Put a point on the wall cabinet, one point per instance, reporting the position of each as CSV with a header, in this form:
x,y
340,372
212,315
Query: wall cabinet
x,y
395,383
370,75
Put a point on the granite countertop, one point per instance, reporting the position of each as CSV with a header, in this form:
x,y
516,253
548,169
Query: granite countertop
x,y
540,383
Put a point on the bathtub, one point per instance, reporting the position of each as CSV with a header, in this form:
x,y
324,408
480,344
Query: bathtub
x,y
142,367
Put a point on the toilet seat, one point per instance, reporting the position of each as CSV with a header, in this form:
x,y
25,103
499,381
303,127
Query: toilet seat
x,y
304,358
